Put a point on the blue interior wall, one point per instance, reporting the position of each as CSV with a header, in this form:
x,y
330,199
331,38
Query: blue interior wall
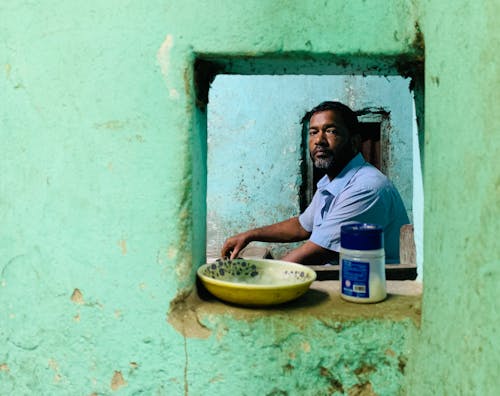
x,y
254,144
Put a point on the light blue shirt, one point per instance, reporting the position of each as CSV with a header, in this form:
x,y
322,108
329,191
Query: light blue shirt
x,y
359,193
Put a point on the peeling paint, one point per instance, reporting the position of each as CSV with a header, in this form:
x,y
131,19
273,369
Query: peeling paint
x,y
117,381
173,93
136,138
77,297
53,365
133,365
390,352
111,124
172,252
123,246
163,57
364,389
335,384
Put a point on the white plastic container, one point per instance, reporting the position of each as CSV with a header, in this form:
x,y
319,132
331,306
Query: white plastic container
x,y
362,263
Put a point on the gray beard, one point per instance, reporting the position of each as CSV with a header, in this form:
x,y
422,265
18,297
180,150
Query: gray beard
x,y
323,163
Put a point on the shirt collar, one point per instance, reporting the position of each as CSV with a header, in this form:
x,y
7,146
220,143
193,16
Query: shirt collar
x,y
335,186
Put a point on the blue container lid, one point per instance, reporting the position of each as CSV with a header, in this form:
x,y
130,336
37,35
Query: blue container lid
x,y
362,236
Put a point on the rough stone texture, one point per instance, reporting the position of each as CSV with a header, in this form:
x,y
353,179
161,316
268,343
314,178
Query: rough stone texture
x,y
459,345
102,179
316,345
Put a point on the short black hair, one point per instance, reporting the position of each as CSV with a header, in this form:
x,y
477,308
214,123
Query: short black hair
x,y
349,116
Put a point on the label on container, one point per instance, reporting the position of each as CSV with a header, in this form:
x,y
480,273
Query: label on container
x,y
355,276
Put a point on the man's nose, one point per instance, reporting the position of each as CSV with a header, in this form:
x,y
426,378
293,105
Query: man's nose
x,y
319,138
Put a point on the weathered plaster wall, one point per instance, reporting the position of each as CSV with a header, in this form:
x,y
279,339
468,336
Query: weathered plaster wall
x,y
459,346
102,215
93,172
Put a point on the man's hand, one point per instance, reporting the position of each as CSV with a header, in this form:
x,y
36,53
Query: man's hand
x,y
234,245
285,231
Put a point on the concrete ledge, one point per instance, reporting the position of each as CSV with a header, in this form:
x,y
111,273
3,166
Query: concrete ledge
x,y
322,301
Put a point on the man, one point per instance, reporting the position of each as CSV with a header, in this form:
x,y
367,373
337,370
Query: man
x,y
351,191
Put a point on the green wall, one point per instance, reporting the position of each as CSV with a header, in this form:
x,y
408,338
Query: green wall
x,y
457,352
102,191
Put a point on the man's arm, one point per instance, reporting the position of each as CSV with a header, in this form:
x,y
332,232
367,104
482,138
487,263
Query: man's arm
x,y
311,254
286,231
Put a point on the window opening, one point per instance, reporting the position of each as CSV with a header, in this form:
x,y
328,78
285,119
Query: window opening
x,y
255,156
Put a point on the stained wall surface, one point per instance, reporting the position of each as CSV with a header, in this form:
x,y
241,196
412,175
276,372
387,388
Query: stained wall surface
x,y
457,352
102,197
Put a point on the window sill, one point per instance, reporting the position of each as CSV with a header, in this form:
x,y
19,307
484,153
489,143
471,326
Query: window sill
x,y
322,301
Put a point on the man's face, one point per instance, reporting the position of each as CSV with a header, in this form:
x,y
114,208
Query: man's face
x,y
330,142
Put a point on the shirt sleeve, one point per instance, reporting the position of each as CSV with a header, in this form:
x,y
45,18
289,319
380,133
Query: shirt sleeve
x,y
306,219
352,205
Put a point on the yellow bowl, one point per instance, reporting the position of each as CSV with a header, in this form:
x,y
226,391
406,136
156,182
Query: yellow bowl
x,y
256,282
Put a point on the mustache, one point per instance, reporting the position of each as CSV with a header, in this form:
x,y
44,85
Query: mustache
x,y
321,150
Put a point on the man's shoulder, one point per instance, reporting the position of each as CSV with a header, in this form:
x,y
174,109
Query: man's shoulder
x,y
369,176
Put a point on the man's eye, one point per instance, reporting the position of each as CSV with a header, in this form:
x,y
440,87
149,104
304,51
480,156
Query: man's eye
x,y
313,132
332,131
